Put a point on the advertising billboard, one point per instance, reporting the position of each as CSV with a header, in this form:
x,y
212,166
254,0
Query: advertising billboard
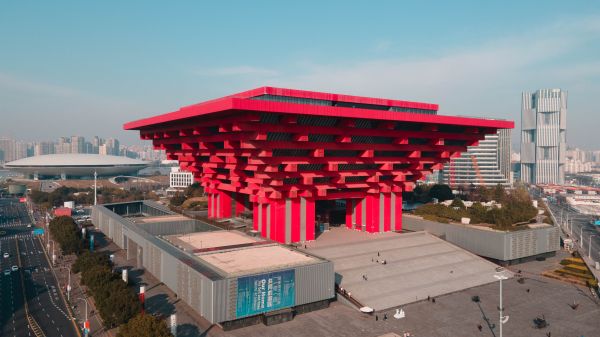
x,y
266,292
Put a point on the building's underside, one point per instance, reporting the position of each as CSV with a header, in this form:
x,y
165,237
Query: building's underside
x,y
278,153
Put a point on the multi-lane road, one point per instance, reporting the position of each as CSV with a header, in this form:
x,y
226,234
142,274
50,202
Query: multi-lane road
x,y
30,299
579,228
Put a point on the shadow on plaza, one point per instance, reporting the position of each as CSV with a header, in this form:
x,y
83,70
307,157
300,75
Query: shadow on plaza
x,y
159,304
489,324
190,330
135,276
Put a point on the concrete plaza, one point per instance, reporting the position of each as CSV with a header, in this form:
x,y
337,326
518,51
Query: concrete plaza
x,y
456,314
417,266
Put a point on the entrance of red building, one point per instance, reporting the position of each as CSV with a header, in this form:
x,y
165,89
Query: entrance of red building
x,y
329,213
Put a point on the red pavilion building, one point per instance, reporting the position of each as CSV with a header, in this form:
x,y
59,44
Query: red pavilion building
x,y
293,157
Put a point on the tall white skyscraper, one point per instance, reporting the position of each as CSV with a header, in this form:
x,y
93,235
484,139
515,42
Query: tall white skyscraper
x,y
543,136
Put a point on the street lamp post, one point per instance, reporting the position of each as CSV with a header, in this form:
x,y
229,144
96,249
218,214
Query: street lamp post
x,y
581,236
86,324
590,246
53,254
500,276
68,283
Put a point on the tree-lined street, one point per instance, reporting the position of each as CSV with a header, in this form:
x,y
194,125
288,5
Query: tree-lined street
x,y
33,280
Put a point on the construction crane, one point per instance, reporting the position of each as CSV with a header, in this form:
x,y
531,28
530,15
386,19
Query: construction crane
x,y
477,171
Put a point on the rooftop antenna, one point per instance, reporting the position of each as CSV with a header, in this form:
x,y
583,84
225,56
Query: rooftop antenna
x,y
95,188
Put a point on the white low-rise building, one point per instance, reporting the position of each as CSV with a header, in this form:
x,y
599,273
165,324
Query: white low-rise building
x,y
179,179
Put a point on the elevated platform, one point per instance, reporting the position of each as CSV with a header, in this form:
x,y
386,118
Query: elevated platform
x,y
418,265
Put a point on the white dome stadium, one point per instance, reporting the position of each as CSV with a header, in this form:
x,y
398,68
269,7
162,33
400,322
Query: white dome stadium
x,y
76,165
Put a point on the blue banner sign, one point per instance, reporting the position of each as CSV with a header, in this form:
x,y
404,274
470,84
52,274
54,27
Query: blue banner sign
x,y
38,231
267,292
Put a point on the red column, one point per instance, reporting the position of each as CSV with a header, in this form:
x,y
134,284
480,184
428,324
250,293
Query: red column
x,y
210,204
277,220
349,213
310,219
358,213
295,220
255,216
372,218
387,211
263,226
225,201
398,214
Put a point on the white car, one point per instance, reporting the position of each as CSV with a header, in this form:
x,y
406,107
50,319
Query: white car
x,y
6,255
29,226
6,271
14,268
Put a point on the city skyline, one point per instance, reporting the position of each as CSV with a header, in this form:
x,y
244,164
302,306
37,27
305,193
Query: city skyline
x,y
140,61
14,149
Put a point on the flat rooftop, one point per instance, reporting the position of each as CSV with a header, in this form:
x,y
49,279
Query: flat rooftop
x,y
256,259
417,265
159,218
215,239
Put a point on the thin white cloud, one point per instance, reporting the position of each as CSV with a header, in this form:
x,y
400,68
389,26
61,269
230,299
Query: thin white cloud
x,y
484,80
243,70
9,82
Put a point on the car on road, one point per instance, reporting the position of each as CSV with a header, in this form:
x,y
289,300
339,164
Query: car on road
x,y
6,271
6,255
29,226
14,268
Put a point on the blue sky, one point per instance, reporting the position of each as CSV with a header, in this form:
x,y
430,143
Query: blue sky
x,y
85,68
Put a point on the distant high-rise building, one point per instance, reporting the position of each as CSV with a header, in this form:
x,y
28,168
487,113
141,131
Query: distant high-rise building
x,y
113,147
96,142
543,136
486,164
103,149
7,150
77,144
62,146
43,148
21,150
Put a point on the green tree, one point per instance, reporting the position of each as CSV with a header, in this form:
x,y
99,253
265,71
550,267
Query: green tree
x,y
499,195
65,231
177,200
144,326
117,303
87,260
194,190
458,203
97,277
441,192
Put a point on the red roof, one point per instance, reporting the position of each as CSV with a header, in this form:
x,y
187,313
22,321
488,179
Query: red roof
x,y
243,101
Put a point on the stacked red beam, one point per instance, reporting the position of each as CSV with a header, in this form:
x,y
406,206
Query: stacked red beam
x,y
276,151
